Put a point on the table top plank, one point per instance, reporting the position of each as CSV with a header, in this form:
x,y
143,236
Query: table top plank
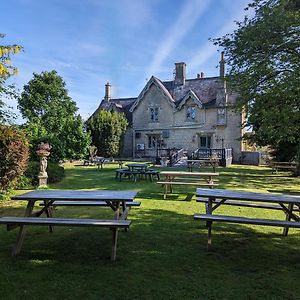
x,y
184,173
247,196
73,195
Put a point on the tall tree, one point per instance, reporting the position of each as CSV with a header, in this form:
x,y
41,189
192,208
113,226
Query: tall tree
x,y
107,129
51,116
263,55
6,70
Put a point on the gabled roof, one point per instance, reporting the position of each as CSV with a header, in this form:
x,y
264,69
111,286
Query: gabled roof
x,y
153,81
203,91
189,95
119,105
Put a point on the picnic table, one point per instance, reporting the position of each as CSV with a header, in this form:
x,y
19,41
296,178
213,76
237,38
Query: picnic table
x,y
187,178
213,162
287,166
118,201
137,170
217,197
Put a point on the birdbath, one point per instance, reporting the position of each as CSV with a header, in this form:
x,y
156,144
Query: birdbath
x,y
43,152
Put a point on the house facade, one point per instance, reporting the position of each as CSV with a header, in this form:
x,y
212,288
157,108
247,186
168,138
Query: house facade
x,y
181,113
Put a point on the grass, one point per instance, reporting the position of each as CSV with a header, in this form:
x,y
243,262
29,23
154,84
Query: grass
x,y
163,255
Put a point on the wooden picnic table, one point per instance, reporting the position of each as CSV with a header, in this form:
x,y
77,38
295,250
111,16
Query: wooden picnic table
x,y
214,198
279,165
213,162
186,178
116,200
137,170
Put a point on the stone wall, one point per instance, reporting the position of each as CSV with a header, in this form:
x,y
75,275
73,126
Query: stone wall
x,y
178,132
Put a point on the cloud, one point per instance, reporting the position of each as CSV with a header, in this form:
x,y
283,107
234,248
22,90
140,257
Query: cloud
x,y
208,50
185,22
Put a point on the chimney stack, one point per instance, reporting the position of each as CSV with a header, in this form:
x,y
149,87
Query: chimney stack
x,y
180,73
107,91
222,66
200,76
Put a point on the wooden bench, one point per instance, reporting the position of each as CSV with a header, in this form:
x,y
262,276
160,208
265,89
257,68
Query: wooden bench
x,y
187,183
209,218
88,203
107,161
198,179
245,204
288,166
112,224
151,173
169,184
243,220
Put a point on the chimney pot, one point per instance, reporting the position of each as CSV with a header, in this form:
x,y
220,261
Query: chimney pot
x,y
202,75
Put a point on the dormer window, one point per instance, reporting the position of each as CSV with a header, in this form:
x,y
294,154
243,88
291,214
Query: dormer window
x,y
191,113
154,114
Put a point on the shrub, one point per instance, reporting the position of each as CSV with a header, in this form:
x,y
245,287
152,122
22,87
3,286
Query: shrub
x,y
55,172
14,153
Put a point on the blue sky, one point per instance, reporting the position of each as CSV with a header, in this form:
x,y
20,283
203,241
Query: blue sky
x,y
124,42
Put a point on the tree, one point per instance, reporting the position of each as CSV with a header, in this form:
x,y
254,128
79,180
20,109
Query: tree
x,y
14,156
263,55
107,129
51,117
6,70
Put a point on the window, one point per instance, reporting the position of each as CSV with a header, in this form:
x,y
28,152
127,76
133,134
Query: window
x,y
221,116
205,142
153,141
154,114
191,113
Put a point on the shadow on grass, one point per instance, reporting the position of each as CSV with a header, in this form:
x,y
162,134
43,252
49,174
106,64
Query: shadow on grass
x,y
162,256
162,250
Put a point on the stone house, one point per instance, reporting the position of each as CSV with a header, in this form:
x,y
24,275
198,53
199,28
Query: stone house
x,y
180,113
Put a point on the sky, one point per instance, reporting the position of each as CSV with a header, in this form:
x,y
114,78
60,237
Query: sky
x,y
123,42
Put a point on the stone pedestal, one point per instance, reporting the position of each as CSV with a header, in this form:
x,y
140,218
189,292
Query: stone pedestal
x,y
43,176
42,181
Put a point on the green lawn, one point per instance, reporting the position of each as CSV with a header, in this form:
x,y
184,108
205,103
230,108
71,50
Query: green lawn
x,y
163,255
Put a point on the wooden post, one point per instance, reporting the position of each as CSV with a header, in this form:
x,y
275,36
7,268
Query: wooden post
x,y
21,235
288,218
209,223
114,244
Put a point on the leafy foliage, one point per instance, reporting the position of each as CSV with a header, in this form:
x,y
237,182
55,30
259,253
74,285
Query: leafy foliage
x,y
264,59
55,172
7,70
107,129
14,154
52,118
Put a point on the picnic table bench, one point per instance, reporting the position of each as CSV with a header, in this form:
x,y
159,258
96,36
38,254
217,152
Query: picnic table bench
x,y
213,162
113,199
217,197
106,161
287,166
187,178
136,171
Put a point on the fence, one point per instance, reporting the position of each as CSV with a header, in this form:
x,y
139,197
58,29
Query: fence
x,y
224,155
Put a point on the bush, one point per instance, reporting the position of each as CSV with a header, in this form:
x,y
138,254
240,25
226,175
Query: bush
x,y
55,172
14,153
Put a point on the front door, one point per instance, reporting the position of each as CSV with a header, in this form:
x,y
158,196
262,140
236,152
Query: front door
x,y
204,142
